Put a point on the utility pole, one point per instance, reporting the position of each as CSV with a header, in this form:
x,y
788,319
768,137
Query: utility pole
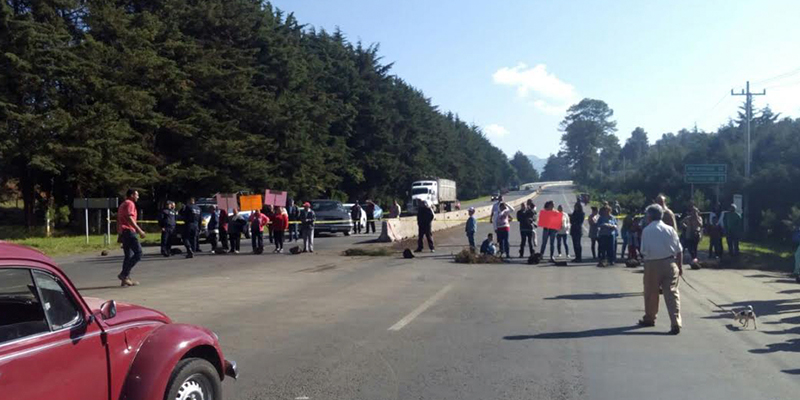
x,y
747,155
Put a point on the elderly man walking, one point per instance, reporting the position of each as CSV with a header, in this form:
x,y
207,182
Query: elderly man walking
x,y
663,266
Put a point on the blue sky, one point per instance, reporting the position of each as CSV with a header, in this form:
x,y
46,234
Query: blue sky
x,y
513,67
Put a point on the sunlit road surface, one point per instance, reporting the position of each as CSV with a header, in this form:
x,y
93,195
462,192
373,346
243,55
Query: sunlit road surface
x,y
324,326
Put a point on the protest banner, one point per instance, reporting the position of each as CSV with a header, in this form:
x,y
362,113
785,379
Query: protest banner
x,y
274,198
550,219
227,201
250,203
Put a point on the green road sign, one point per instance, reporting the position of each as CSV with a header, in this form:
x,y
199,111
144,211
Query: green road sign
x,y
705,173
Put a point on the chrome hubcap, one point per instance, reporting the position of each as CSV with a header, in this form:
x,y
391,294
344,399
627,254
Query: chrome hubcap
x,y
191,390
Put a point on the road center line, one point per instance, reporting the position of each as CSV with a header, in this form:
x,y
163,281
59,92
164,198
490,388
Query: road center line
x,y
421,309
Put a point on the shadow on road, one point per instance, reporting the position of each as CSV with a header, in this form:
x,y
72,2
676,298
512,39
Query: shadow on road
x,y
791,371
595,296
618,331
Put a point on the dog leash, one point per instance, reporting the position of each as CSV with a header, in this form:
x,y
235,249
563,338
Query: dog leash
x,y
709,300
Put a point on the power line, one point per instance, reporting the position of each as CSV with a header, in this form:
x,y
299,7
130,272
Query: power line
x,y
781,76
747,156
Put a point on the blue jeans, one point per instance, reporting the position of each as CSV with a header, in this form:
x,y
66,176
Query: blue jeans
x,y
257,238
551,235
471,239
502,239
133,252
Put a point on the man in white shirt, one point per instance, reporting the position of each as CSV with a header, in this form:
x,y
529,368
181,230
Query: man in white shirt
x,y
663,266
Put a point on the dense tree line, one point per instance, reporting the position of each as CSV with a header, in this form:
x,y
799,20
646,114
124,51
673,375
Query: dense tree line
x,y
180,97
639,171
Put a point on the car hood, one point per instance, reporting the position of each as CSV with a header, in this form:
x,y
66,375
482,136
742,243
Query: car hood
x,y
127,313
338,214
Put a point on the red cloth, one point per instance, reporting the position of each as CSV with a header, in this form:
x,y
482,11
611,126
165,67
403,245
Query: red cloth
x,y
262,221
125,214
223,219
280,222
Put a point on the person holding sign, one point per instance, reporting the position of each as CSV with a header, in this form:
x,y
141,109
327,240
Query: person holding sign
x,y
550,221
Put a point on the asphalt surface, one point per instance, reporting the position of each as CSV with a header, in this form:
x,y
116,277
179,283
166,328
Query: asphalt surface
x,y
324,326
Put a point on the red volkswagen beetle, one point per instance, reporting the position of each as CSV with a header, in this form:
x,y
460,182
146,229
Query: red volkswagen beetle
x,y
55,344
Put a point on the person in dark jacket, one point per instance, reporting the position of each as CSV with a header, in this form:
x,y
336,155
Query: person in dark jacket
x,y
355,215
213,229
370,210
576,230
236,226
166,220
307,218
294,218
190,215
424,226
223,228
525,218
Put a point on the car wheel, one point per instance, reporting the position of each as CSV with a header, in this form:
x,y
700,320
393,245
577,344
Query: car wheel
x,y
194,379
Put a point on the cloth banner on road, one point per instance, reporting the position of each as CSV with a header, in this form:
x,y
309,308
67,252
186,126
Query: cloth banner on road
x,y
226,201
550,219
274,198
250,203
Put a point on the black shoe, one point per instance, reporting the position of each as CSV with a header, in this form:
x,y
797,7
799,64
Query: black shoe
x,y
675,330
418,251
189,255
646,324
575,260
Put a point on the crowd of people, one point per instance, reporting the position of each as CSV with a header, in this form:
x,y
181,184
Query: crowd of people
x,y
608,237
225,231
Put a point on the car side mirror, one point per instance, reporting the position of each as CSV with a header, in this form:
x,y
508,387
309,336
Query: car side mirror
x,y
108,309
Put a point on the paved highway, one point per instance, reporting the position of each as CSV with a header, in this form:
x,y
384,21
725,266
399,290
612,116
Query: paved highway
x,y
324,326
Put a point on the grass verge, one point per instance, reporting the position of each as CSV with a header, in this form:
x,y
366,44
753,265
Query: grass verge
x,y
761,256
68,245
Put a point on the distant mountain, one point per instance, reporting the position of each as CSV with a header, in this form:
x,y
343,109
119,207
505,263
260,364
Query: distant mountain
x,y
538,163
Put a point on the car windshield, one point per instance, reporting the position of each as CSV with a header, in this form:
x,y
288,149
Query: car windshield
x,y
326,205
419,191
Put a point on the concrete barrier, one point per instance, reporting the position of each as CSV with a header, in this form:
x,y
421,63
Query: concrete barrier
x,y
398,229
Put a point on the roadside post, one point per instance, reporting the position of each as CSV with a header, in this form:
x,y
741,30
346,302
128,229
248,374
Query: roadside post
x,y
97,203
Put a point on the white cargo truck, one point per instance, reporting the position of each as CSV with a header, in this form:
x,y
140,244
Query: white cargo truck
x,y
439,193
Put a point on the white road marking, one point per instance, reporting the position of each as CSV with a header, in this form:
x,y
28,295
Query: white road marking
x,y
421,309
302,398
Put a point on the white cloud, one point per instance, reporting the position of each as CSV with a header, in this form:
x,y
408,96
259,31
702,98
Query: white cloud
x,y
536,80
495,130
551,109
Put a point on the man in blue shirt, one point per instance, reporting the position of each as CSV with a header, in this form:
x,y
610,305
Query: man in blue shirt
x,y
472,226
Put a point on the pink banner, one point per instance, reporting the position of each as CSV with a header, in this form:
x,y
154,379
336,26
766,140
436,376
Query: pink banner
x,y
226,201
274,198
550,219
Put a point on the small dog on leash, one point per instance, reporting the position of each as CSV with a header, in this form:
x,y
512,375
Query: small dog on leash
x,y
745,316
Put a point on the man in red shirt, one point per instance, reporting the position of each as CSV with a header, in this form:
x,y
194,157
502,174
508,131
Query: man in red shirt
x,y
127,228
